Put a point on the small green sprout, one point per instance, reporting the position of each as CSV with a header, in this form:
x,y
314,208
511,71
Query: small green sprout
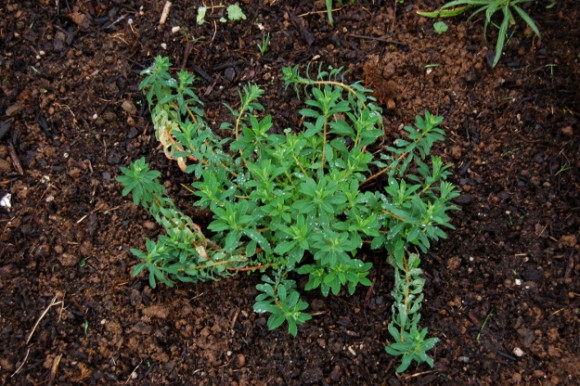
x,y
484,324
440,27
201,11
234,13
264,44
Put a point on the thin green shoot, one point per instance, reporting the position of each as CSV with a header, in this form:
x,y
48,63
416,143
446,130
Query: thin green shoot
x,y
484,324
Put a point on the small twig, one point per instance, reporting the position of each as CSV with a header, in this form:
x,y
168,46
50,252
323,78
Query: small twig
x,y
421,374
234,320
382,171
54,369
570,267
389,366
214,32
505,355
370,292
82,219
22,364
133,372
165,13
53,303
320,12
119,19
379,39
14,157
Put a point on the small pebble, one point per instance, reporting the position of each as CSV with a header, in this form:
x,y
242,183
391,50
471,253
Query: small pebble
x,y
568,131
240,360
14,109
149,225
453,263
68,260
86,248
5,167
230,74
569,241
74,173
129,107
518,352
456,152
464,199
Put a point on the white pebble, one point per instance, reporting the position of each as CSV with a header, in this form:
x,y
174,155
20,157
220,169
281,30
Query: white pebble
x,y
5,201
518,352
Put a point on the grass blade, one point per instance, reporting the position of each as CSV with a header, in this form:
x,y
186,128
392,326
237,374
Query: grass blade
x,y
529,21
501,36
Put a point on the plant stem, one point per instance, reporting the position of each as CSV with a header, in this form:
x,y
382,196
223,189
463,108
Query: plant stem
x,y
346,87
382,171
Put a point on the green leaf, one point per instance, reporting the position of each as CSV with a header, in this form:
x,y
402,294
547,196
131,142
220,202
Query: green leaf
x,y
309,113
284,247
529,21
292,328
440,27
235,13
275,320
264,306
255,236
501,36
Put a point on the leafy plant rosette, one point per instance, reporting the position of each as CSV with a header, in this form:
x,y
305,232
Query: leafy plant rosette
x,y
293,203
489,7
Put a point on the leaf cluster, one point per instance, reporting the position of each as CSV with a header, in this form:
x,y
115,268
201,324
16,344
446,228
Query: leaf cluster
x,y
410,342
290,202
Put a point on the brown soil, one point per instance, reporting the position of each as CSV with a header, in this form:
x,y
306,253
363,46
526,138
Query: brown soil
x,y
502,292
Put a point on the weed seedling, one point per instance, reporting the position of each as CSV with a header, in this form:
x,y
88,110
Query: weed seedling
x,y
233,12
484,324
440,27
264,44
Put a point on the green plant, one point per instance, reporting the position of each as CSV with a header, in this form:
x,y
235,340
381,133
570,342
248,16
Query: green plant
x,y
234,13
410,342
292,203
440,27
264,44
490,7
